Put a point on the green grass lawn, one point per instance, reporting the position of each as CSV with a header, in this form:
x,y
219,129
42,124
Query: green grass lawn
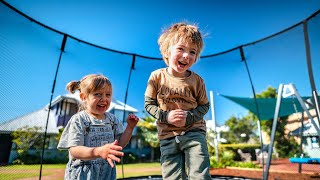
x,y
140,169
13,172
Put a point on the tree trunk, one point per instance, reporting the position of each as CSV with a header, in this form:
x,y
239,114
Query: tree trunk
x,y
152,154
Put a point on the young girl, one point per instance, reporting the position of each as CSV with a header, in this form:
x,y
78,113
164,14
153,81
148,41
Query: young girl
x,y
93,136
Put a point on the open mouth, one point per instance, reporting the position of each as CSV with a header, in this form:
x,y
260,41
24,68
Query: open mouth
x,y
182,64
101,106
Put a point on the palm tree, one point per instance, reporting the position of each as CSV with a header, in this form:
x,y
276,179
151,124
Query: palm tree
x,y
149,133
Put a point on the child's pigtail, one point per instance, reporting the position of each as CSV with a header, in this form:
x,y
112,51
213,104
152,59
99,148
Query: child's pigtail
x,y
73,86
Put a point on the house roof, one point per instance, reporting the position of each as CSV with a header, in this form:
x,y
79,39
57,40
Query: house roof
x,y
309,129
116,104
310,126
37,118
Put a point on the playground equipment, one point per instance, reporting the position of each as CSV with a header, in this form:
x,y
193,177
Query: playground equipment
x,y
283,92
302,160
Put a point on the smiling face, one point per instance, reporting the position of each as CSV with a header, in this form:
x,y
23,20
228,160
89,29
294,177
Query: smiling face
x,y
98,101
181,57
180,33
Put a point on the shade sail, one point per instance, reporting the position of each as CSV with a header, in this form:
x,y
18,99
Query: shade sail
x,y
267,106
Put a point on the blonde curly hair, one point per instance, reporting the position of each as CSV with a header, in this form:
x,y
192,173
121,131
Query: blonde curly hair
x,y
180,31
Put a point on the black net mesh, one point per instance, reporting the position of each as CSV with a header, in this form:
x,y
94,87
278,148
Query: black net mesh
x,y
232,81
34,73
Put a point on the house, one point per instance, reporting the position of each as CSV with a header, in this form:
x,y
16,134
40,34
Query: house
x,y
62,108
211,127
308,135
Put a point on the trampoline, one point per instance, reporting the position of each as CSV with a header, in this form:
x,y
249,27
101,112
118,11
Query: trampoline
x,y
305,160
213,177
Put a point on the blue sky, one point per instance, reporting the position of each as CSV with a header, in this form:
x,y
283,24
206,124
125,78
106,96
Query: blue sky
x,y
134,27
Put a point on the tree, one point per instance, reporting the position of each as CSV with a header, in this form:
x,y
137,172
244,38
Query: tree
x,y
149,133
25,138
285,145
241,130
270,92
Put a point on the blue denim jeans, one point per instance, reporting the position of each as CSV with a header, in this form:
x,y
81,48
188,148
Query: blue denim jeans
x,y
187,159
98,169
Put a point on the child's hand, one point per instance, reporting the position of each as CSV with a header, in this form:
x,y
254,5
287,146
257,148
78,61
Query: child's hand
x,y
132,120
177,117
110,152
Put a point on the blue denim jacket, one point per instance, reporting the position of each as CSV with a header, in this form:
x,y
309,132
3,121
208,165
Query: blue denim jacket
x,y
84,130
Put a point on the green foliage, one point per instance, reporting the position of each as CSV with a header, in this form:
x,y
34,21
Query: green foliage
x,y
27,137
129,158
286,146
238,146
35,158
228,156
241,126
226,159
246,164
26,158
149,131
266,126
270,92
57,138
248,148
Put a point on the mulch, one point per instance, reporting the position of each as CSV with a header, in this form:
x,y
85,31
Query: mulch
x,y
258,174
280,169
